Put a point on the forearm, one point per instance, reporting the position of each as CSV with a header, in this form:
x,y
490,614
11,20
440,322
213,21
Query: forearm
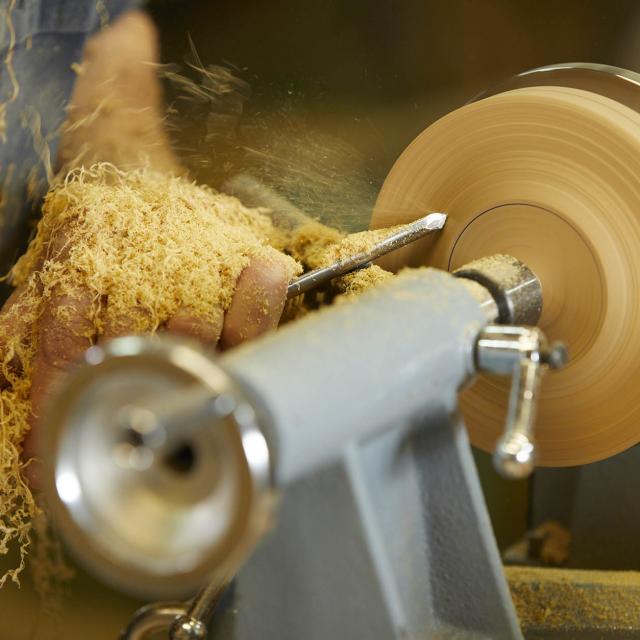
x,y
116,109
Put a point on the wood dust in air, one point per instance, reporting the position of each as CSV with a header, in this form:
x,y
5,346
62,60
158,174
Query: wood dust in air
x,y
144,245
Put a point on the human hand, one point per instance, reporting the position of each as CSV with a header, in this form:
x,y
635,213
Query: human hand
x,y
116,115
64,329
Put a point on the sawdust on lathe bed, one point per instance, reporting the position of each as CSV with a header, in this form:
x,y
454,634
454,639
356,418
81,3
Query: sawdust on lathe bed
x,y
144,245
575,601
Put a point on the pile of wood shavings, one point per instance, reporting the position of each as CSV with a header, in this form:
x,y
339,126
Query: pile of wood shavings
x,y
316,245
146,241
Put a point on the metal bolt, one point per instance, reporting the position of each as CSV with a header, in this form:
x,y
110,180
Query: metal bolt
x,y
514,456
187,628
556,356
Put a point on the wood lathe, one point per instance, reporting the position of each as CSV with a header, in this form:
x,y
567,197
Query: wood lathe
x,y
319,482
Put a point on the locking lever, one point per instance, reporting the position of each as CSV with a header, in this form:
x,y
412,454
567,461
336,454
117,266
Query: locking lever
x,y
525,354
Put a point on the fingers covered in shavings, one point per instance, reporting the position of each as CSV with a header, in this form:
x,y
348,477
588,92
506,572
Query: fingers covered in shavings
x,y
147,241
258,300
186,323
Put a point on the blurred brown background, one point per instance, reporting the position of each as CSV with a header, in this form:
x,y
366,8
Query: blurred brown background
x,y
374,74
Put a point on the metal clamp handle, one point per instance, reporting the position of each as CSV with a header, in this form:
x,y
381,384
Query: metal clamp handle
x,y
525,354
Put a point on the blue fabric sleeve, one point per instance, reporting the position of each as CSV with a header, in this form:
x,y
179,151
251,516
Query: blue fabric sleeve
x,y
39,42
32,17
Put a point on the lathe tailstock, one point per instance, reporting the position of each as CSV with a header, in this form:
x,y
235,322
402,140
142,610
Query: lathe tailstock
x,y
165,463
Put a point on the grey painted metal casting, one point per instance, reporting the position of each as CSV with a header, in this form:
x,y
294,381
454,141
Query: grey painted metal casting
x,y
322,472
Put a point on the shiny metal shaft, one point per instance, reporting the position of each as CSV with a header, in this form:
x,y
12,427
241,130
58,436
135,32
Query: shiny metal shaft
x,y
412,232
152,619
163,424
